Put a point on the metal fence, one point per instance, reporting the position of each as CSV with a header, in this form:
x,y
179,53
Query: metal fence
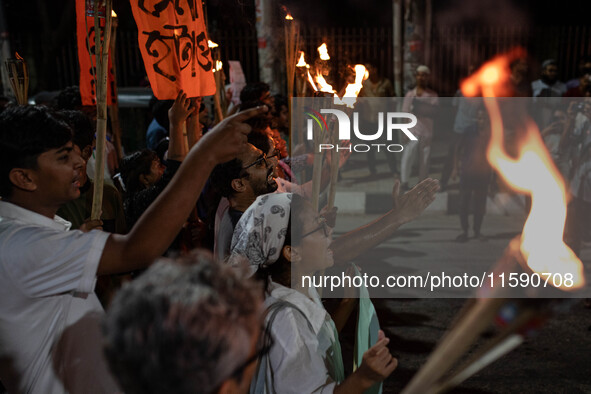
x,y
453,49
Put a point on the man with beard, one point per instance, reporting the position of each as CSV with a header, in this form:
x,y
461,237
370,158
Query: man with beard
x,y
240,181
548,85
544,90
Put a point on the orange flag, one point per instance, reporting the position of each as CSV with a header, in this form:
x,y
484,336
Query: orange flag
x,y
87,60
173,43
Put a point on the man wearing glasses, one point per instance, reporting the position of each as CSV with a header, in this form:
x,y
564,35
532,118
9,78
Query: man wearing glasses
x,y
186,326
240,181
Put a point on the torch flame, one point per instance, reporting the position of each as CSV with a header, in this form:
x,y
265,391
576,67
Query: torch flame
x,y
352,90
301,61
289,17
323,52
19,57
218,65
113,14
211,44
541,241
324,86
311,80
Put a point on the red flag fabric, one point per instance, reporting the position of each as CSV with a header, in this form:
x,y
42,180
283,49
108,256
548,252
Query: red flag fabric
x,y
87,60
173,43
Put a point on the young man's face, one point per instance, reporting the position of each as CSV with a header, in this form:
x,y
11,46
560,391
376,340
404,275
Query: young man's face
x,y
259,173
268,100
156,172
283,118
57,176
85,155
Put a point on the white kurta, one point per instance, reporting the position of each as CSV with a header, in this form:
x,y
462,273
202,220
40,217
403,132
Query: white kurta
x,y
306,356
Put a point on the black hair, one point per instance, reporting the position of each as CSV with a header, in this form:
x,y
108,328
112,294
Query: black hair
x,y
253,91
69,98
259,122
280,101
160,111
260,140
222,175
25,133
162,148
82,127
134,165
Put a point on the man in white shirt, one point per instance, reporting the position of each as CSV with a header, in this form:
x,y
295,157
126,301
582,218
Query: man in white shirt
x,y
422,102
47,273
547,92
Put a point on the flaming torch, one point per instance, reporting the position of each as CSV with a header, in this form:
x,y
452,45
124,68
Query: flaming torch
x,y
292,39
102,62
349,99
303,67
323,52
321,65
324,89
19,78
219,97
538,252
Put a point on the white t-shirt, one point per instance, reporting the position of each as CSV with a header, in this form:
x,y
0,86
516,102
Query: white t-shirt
x,y
47,279
424,126
304,357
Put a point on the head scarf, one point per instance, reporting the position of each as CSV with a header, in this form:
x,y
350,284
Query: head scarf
x,y
260,233
423,69
548,62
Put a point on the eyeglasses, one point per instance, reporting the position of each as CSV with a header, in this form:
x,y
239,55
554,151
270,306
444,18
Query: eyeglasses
x,y
264,345
323,226
262,159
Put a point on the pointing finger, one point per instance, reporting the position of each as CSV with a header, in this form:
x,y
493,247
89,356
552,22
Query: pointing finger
x,y
249,113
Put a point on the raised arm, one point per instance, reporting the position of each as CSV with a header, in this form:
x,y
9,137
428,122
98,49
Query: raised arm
x,y
177,115
158,226
406,208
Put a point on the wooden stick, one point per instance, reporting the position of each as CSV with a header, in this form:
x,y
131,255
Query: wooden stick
x,y
102,63
455,344
217,97
472,321
502,344
114,109
334,167
18,74
316,174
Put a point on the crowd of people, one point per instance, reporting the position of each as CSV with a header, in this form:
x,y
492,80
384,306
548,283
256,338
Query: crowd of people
x,y
205,236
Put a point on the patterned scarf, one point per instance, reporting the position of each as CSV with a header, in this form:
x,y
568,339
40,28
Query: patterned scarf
x,y
260,233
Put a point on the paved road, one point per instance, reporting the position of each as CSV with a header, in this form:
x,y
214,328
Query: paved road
x,y
557,359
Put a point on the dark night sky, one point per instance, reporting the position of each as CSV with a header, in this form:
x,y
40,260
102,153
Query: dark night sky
x,y
37,27
340,13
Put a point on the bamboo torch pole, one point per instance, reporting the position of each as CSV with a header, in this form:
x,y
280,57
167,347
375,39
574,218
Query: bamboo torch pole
x,y
218,74
114,108
316,171
18,74
334,167
292,38
102,63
